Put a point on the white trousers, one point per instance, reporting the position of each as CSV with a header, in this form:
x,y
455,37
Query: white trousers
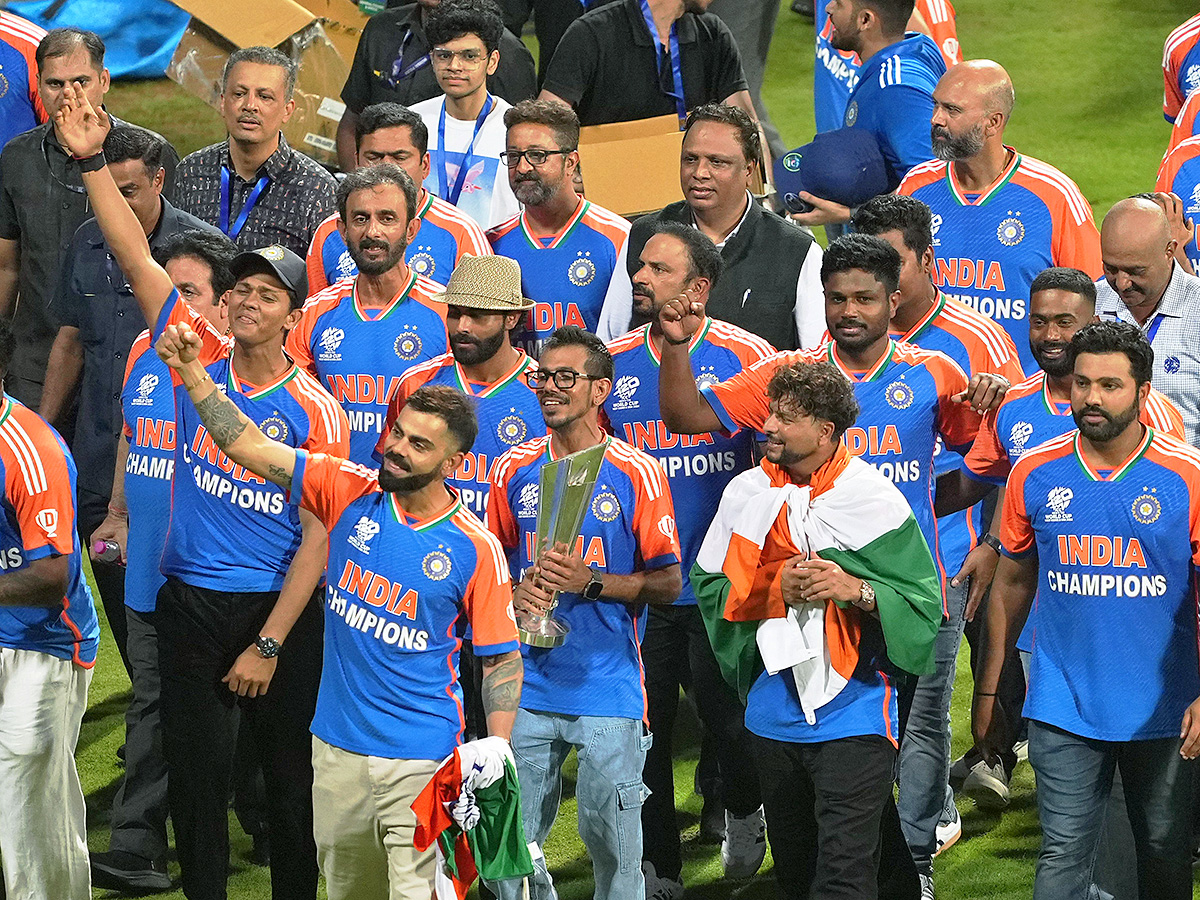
x,y
43,834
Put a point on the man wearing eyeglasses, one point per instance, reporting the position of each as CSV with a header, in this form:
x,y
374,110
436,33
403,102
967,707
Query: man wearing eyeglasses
x,y
587,694
42,202
466,124
568,247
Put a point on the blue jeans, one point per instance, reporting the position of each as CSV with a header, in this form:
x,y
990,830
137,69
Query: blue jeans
x,y
609,795
925,745
1074,777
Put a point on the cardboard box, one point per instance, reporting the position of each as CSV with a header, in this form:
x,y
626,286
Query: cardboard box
x,y
632,168
321,35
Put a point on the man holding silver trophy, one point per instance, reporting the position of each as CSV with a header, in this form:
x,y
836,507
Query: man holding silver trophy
x,y
589,528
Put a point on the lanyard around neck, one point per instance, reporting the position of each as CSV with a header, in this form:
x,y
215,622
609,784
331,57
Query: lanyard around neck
x,y
673,54
240,222
451,194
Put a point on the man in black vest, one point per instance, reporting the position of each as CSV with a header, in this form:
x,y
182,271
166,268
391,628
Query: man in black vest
x,y
771,284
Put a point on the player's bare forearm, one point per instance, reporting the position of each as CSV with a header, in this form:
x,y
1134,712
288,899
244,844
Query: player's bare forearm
x,y
653,586
116,499
955,491
503,676
1012,594
303,575
42,583
684,409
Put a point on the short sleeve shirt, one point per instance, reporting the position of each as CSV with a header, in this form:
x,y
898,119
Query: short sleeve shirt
x,y
610,69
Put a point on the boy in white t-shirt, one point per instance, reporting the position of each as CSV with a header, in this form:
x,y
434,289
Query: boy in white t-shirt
x,y
466,125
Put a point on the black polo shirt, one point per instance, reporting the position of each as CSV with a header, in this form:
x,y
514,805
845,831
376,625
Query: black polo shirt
x,y
94,296
606,65
42,202
388,64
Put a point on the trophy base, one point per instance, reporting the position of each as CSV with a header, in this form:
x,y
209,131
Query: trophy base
x,y
543,632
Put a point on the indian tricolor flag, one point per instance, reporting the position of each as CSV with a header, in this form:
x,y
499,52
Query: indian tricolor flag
x,y
849,514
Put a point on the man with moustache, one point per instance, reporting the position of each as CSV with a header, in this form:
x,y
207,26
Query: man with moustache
x,y
679,260
253,185
1002,217
588,693
391,133
1146,286
569,248
1101,523
390,709
360,334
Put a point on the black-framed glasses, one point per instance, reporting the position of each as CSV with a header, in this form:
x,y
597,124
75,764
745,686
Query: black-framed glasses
x,y
536,157
564,379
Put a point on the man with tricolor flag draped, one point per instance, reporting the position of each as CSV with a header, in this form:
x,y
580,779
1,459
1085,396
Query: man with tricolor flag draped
x,y
816,583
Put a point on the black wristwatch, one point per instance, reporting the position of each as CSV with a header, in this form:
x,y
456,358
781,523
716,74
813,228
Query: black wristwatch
x,y
268,648
591,590
992,541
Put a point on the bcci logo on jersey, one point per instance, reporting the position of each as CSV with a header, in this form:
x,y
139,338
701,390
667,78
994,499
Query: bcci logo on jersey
x,y
145,388
1059,499
512,430
364,530
606,507
1019,436
1010,231
527,502
423,262
582,271
624,390
436,565
274,427
1147,509
899,395
331,338
851,114
408,345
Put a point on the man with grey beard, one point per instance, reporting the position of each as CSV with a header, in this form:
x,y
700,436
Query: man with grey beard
x,y
999,217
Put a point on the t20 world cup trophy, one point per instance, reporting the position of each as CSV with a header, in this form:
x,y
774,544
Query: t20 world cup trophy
x,y
564,494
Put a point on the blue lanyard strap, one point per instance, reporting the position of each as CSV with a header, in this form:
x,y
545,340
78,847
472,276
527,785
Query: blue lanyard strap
x,y
673,53
401,72
240,222
451,194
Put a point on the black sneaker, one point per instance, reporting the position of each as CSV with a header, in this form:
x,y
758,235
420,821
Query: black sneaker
x,y
712,821
120,871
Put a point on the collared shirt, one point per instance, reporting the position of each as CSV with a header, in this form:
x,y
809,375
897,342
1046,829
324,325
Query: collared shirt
x,y
42,203
391,64
608,66
95,297
299,194
1174,330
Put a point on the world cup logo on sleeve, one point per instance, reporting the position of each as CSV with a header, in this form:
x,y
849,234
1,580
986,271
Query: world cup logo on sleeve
x,y
145,388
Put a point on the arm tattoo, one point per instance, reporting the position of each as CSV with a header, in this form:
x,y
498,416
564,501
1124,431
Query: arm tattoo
x,y
222,418
280,476
502,683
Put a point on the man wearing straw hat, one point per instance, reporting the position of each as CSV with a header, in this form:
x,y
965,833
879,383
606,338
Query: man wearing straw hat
x,y
484,307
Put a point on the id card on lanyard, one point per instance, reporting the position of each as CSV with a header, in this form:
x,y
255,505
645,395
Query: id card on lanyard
x,y
447,192
226,190
675,59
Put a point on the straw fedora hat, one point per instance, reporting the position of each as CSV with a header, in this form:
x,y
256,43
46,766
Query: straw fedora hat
x,y
486,282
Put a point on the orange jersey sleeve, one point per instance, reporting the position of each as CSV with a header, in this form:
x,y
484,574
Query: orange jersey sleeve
x,y
313,262
327,484
501,521
1163,416
1185,122
37,483
654,513
329,431
958,423
741,401
987,457
488,598
299,340
1016,530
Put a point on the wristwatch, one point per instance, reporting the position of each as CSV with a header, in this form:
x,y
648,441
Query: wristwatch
x,y
866,597
268,648
991,540
591,590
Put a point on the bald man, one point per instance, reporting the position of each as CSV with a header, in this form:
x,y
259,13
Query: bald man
x,y
1144,284
999,217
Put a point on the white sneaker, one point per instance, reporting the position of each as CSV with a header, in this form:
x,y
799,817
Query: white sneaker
x,y
959,769
987,785
660,888
948,832
745,844
926,886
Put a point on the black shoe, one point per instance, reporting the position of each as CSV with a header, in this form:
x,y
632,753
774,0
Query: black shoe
x,y
806,8
121,871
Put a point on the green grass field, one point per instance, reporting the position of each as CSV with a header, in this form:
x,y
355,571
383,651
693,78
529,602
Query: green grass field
x,y
1089,95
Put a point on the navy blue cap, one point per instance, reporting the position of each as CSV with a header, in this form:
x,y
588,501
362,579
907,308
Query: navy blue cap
x,y
278,261
844,166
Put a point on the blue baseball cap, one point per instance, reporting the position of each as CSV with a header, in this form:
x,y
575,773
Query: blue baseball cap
x,y
844,166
